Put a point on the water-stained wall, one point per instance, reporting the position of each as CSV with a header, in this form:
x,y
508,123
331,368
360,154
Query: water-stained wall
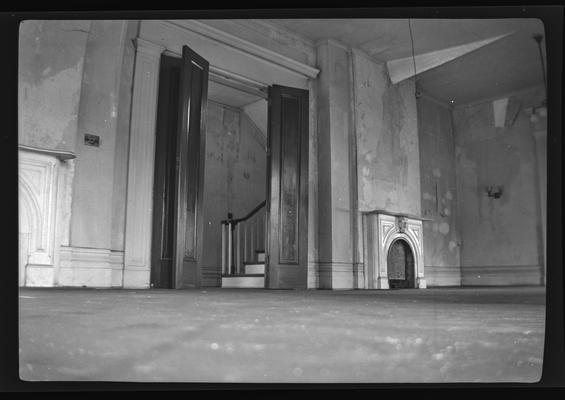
x,y
122,137
269,36
95,166
387,139
439,193
235,177
501,236
51,59
336,208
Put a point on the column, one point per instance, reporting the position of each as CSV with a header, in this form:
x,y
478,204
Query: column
x,y
335,168
137,266
540,137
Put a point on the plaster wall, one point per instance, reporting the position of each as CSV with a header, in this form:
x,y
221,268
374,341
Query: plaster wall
x,y
269,36
122,138
388,166
439,193
235,178
257,111
313,188
502,241
334,129
95,167
51,59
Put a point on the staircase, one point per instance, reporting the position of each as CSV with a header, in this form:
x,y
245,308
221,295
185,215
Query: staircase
x,y
243,260
253,274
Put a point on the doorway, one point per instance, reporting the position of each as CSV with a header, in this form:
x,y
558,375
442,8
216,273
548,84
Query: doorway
x,y
178,230
400,263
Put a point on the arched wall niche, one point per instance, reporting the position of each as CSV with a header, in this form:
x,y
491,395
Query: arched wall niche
x,y
401,265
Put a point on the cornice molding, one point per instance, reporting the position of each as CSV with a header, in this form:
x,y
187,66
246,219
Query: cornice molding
x,y
333,42
244,46
148,47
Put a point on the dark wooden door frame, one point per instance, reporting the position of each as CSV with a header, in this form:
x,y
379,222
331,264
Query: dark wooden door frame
x,y
179,197
190,157
164,174
287,189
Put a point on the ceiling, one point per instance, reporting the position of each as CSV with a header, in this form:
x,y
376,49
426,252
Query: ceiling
x,y
230,96
505,65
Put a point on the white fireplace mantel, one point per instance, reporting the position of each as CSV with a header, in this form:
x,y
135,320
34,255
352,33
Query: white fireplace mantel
x,y
380,230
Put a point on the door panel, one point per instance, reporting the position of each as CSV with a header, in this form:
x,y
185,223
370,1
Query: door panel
x,y
163,187
190,155
287,197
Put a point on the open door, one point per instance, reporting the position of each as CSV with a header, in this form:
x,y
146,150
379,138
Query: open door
x,y
188,220
287,189
165,171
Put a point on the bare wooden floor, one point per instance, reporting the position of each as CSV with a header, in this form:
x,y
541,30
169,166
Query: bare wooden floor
x,y
254,335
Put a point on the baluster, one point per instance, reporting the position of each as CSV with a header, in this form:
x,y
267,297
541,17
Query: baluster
x,y
261,232
238,248
252,238
257,224
245,249
230,253
254,234
223,228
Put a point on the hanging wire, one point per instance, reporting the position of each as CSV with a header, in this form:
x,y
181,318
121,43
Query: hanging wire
x,y
416,93
538,38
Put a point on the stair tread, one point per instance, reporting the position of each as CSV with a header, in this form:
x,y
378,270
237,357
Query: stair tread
x,y
254,263
242,275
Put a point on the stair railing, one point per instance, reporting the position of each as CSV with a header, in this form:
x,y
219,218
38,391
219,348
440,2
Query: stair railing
x,y
241,239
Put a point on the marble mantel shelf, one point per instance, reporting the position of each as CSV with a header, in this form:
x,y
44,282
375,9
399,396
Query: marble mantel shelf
x,y
396,214
60,154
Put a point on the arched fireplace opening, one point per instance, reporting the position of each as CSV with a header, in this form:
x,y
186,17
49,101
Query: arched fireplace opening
x,y
400,263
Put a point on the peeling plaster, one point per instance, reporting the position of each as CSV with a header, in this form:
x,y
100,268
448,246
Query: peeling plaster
x,y
50,74
444,228
387,143
505,230
437,163
49,109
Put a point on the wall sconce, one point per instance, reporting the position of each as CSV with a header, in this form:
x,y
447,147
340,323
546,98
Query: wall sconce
x,y
535,113
494,191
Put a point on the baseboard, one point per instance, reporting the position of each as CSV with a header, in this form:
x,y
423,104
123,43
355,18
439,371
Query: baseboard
x,y
79,266
211,276
501,275
335,275
445,275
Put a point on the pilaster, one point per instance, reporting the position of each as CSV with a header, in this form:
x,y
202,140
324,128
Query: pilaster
x,y
140,165
336,167
540,137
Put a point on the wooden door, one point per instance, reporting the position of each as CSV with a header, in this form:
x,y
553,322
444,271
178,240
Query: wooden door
x,y
189,172
165,170
287,189
176,249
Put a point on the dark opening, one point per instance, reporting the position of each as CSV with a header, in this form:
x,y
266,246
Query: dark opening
x,y
164,178
400,262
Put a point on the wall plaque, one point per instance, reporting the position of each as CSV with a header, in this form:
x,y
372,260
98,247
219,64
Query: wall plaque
x,y
92,140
